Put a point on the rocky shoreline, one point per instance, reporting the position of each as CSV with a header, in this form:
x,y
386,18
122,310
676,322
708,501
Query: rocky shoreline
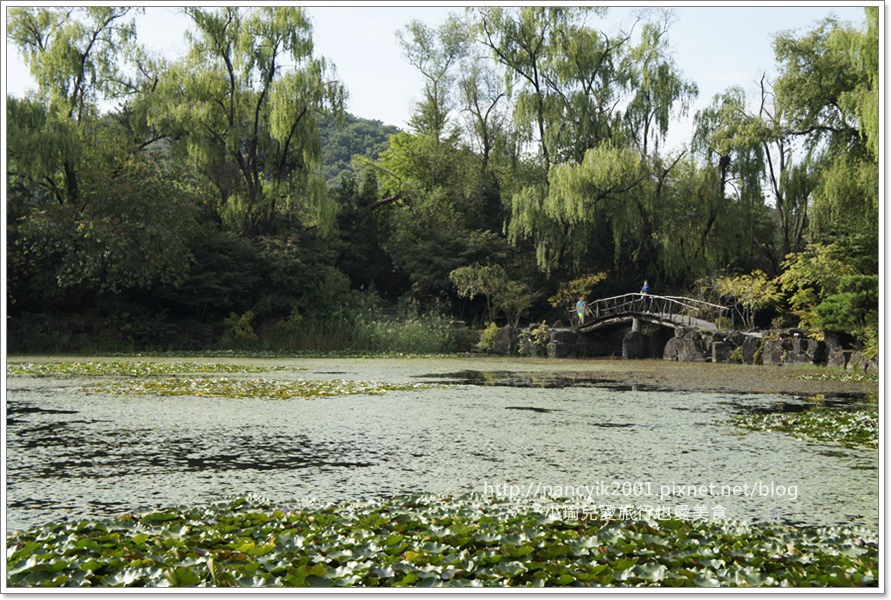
x,y
689,344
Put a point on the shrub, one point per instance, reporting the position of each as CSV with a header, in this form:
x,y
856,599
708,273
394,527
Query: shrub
x,y
243,335
487,338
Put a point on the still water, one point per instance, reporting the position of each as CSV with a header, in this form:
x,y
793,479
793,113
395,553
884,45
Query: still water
x,y
518,429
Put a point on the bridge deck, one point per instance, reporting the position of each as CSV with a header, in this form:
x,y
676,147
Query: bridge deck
x,y
669,311
658,318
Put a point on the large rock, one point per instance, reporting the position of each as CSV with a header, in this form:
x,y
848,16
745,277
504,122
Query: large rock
x,y
792,348
860,363
737,338
722,351
560,350
839,347
807,351
686,347
776,350
687,333
505,340
564,336
750,346
530,348
635,345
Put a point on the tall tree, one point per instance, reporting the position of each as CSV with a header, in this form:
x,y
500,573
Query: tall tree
x,y
483,98
434,52
96,213
658,87
724,141
77,58
828,86
243,109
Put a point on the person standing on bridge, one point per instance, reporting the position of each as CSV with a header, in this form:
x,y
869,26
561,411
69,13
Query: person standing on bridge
x,y
647,301
580,308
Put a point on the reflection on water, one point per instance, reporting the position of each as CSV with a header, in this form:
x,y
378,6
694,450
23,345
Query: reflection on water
x,y
71,455
531,380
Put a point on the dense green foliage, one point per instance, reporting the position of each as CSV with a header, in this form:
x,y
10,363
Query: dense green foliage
x,y
227,200
430,542
849,428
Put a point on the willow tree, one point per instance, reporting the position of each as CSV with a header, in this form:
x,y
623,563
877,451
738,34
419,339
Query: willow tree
x,y
828,86
435,53
579,200
551,63
94,212
728,140
584,99
76,56
243,107
660,91
563,75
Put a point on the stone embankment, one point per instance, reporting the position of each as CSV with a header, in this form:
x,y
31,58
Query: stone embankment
x,y
689,344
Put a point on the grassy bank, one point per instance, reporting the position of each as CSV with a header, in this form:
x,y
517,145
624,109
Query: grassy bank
x,y
469,541
367,331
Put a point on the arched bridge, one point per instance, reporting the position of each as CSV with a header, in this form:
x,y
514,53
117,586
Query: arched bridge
x,y
668,311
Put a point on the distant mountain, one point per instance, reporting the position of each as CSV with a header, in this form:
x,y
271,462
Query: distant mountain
x,y
355,136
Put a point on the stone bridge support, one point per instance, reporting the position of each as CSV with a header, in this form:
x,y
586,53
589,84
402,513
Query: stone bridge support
x,y
642,345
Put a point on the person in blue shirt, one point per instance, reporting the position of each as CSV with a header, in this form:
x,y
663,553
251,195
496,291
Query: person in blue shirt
x,y
580,308
645,290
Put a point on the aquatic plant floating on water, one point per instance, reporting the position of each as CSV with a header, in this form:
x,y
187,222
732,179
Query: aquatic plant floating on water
x,y
429,541
855,428
222,387
131,368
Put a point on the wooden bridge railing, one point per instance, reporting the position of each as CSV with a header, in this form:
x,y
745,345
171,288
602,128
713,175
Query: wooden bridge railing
x,y
674,308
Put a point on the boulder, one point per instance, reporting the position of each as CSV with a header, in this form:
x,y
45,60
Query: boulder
x,y
838,348
635,345
791,349
750,347
838,357
505,340
564,336
685,349
807,351
775,351
737,338
685,333
722,351
560,350
860,363
530,348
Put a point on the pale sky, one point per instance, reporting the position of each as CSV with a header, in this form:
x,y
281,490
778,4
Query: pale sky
x,y
715,46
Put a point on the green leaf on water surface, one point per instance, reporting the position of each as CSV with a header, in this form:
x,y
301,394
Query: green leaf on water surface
x,y
510,568
194,548
158,517
517,552
701,581
624,563
435,548
409,579
489,558
650,571
486,538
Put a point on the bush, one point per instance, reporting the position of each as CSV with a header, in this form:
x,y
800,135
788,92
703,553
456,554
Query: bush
x,y
487,338
241,330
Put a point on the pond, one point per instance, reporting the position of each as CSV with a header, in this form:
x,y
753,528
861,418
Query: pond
x,y
519,429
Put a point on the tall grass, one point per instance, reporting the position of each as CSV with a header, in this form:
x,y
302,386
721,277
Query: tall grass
x,y
373,332
364,326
